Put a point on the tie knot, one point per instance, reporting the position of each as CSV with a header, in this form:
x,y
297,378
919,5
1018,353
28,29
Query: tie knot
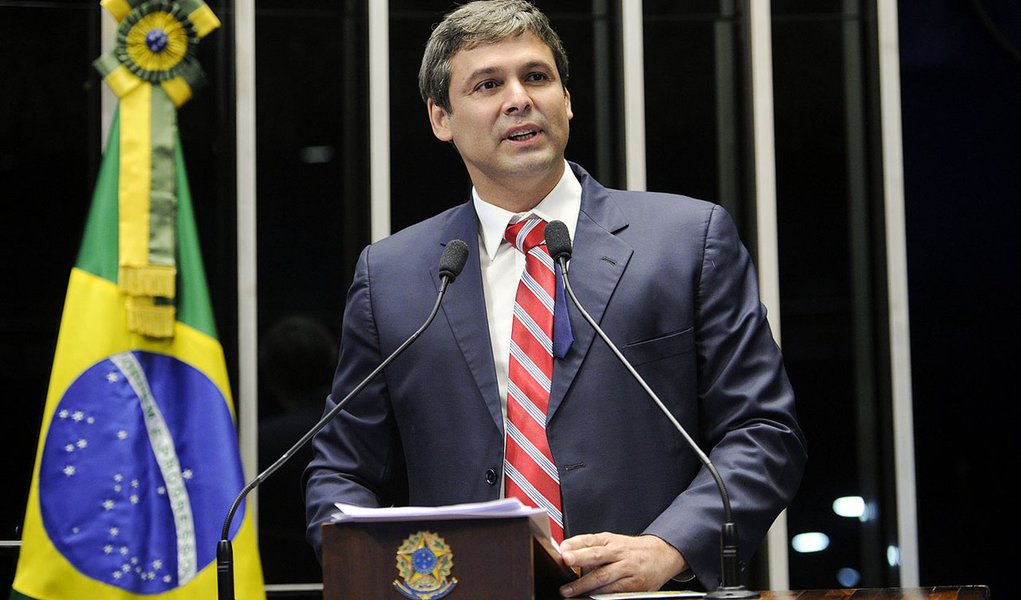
x,y
526,234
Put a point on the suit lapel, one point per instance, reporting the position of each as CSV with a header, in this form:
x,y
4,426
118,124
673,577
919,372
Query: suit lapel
x,y
598,261
464,307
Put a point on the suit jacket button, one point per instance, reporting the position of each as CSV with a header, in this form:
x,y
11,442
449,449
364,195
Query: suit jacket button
x,y
491,477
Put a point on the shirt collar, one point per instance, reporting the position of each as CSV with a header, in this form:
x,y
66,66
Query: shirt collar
x,y
563,203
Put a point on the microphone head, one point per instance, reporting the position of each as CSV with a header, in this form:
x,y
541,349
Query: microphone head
x,y
558,241
455,254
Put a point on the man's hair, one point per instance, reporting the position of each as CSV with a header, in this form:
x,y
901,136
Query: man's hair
x,y
477,24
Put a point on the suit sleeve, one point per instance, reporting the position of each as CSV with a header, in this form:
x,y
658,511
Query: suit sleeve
x,y
357,458
748,424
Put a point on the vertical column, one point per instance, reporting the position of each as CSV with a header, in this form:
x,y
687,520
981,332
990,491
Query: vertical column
x,y
767,256
897,286
632,26
248,363
379,119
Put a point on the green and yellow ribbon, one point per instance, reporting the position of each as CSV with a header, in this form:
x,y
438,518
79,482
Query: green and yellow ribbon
x,y
153,70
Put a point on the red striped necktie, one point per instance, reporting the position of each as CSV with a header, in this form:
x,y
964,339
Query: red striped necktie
x,y
530,474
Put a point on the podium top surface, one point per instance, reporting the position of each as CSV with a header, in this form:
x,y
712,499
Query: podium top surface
x,y
928,593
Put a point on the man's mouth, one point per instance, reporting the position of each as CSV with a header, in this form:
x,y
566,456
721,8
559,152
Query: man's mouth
x,y
520,136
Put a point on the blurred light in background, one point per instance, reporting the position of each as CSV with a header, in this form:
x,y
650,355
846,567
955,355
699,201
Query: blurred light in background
x,y
812,541
848,577
851,507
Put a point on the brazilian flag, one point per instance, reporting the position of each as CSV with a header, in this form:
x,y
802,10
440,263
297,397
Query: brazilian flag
x,y
138,460
137,463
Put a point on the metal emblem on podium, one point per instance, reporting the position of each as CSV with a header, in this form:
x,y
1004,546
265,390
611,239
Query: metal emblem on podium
x,y
424,562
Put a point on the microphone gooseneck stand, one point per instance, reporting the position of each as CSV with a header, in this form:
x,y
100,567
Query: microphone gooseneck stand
x,y
454,256
558,243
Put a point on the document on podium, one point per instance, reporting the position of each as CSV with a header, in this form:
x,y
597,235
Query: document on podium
x,y
494,509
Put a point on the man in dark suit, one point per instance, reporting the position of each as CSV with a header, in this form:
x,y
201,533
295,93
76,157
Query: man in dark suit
x,y
667,278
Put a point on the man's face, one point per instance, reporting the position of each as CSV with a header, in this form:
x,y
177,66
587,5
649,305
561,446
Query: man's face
x,y
509,115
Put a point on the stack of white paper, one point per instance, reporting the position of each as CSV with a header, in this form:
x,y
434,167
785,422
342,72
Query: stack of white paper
x,y
495,509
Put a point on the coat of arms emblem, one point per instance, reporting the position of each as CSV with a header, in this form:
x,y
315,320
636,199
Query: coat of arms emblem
x,y
424,562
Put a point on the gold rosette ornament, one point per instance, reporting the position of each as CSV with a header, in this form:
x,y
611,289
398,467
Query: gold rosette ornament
x,y
153,70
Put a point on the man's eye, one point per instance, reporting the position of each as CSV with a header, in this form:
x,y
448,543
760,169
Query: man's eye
x,y
537,77
486,85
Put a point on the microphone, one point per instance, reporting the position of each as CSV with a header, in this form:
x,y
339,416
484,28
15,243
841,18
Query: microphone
x,y
455,254
558,243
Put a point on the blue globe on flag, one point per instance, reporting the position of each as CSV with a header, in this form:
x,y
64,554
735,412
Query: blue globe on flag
x,y
131,492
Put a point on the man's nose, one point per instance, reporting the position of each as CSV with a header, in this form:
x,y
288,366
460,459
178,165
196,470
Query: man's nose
x,y
516,97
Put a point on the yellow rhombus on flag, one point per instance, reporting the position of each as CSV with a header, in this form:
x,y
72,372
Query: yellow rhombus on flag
x,y
137,462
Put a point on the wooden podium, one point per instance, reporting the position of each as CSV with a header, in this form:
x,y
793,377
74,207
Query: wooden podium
x,y
494,559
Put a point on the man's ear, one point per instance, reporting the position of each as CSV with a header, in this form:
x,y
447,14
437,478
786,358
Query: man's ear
x,y
567,102
439,119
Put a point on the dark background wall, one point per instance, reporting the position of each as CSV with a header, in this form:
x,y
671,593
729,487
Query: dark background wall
x,y
961,93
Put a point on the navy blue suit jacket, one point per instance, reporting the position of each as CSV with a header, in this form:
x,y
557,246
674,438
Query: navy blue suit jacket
x,y
669,281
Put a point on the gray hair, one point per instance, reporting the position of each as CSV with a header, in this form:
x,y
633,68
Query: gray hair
x,y
477,24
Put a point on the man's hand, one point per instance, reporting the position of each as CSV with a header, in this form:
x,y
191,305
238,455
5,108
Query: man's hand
x,y
612,563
